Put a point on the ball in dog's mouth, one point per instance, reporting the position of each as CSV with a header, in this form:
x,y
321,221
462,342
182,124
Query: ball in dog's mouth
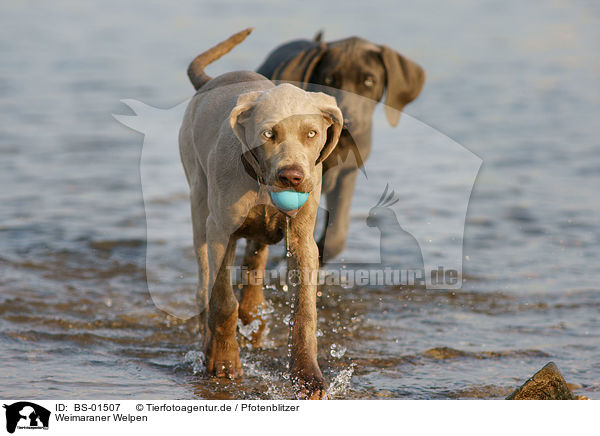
x,y
288,201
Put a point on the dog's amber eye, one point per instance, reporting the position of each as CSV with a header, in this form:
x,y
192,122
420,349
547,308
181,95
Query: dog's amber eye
x,y
328,80
268,134
312,133
369,81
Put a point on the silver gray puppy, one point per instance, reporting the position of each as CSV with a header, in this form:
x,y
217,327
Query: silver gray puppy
x,y
242,137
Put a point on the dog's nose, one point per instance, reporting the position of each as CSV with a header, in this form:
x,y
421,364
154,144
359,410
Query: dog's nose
x,y
291,176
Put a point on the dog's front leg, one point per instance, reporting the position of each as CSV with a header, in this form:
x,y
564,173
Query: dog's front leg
x,y
222,353
303,269
253,298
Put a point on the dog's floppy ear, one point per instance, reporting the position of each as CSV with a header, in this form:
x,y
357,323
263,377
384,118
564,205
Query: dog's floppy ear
x,y
239,115
333,114
300,67
405,80
241,112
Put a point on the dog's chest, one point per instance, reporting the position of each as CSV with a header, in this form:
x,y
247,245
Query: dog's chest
x,y
264,224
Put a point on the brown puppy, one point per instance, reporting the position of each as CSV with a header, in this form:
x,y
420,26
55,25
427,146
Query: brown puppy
x,y
356,72
242,137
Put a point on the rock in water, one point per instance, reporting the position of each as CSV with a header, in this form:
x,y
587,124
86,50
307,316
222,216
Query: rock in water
x,y
546,384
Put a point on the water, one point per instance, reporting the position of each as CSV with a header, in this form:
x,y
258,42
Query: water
x,y
288,253
515,83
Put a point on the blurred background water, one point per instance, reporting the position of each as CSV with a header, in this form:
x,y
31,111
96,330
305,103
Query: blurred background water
x,y
517,83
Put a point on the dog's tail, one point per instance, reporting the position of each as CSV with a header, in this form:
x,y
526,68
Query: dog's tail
x,y
196,69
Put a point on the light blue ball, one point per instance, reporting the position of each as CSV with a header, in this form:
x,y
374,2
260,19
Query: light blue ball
x,y
289,200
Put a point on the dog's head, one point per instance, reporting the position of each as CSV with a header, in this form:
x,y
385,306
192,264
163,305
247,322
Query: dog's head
x,y
360,68
286,133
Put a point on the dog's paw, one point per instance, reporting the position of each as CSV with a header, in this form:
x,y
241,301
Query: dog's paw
x,y
309,383
223,359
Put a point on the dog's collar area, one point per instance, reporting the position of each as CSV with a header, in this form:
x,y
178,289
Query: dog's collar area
x,y
250,169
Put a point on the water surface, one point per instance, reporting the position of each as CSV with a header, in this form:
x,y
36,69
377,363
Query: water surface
x,y
517,84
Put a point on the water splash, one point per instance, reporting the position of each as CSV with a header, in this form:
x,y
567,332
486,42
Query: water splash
x,y
288,253
341,383
196,360
273,380
266,309
337,351
247,330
